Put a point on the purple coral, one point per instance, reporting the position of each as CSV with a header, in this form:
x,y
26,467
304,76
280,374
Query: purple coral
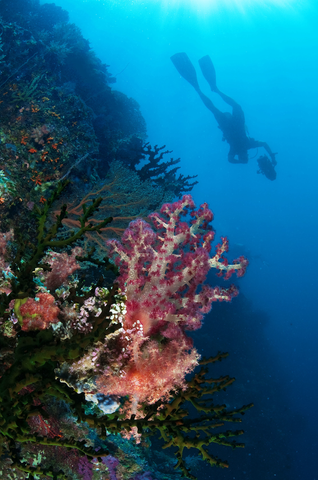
x,y
85,468
111,463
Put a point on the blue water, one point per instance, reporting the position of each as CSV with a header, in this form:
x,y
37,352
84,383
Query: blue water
x,y
265,55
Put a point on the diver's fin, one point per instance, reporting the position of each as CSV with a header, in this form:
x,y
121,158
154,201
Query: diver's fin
x,y
208,71
184,66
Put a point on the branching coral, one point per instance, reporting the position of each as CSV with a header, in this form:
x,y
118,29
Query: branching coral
x,y
178,431
134,152
22,272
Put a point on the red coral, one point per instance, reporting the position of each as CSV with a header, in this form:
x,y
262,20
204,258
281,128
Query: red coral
x,y
46,428
39,314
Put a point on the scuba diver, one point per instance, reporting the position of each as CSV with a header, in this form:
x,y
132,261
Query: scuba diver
x,y
232,124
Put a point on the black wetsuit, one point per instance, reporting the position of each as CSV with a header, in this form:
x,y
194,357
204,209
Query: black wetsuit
x,y
232,126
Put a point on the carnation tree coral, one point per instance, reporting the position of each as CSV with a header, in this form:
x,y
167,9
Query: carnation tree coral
x,y
162,271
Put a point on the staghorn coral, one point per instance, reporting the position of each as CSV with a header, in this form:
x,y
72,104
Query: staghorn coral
x,y
180,430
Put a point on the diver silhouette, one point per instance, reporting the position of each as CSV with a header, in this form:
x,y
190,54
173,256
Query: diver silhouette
x,y
232,124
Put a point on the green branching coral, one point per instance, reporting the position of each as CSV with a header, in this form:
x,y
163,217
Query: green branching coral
x,y
28,378
180,430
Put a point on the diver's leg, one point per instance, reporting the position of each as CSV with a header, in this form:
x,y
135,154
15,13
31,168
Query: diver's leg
x,y
237,110
228,99
184,66
209,74
208,103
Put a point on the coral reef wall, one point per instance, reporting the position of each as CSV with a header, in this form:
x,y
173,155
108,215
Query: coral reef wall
x,y
94,351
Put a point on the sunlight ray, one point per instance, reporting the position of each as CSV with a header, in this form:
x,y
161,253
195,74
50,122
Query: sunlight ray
x,y
212,5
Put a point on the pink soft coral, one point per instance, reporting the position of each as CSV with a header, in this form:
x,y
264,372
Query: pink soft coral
x,y
162,272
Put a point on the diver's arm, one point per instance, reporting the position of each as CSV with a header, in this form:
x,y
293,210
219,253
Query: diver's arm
x,y
256,144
